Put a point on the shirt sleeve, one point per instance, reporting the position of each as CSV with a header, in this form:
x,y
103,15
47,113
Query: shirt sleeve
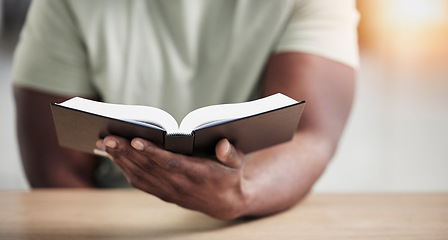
x,y
50,55
323,27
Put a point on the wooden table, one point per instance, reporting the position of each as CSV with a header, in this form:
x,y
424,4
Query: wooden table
x,y
130,214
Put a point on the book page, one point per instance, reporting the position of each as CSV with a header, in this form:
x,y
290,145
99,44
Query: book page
x,y
217,114
143,115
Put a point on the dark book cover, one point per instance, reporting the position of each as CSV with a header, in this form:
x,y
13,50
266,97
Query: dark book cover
x,y
80,130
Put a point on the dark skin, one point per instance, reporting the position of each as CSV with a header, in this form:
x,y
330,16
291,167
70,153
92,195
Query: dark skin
x,y
255,184
45,163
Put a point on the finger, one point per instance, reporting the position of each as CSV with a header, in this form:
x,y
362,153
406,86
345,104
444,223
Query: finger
x,y
121,149
137,169
228,155
142,180
112,143
142,172
117,145
190,167
100,149
100,144
161,157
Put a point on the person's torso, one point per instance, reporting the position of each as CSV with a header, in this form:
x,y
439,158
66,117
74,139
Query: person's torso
x,y
179,55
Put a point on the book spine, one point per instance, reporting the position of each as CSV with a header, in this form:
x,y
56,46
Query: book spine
x,y
179,143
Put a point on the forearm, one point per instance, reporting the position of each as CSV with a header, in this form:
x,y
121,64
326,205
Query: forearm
x,y
53,166
278,177
62,179
51,171
47,164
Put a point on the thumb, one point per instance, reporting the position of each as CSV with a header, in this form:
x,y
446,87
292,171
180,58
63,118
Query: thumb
x,y
228,155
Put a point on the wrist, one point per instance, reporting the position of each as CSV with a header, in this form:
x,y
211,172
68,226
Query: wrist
x,y
247,198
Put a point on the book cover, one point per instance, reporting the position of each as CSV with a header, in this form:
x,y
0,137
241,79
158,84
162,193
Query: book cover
x,y
80,130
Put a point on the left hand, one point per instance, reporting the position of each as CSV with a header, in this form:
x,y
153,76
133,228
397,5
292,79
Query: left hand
x,y
216,188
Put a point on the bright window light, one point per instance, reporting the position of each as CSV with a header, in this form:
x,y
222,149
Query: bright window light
x,y
417,11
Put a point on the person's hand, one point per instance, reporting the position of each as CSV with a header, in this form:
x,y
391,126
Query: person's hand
x,y
216,188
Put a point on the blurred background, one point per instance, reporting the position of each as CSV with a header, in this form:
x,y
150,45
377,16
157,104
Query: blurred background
x,y
397,136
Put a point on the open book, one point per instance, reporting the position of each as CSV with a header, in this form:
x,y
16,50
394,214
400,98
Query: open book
x,y
249,126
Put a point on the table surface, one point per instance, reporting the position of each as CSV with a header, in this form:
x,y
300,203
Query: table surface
x,y
131,214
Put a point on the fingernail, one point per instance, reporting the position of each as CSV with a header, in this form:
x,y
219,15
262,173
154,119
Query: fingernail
x,y
100,145
110,143
138,145
227,148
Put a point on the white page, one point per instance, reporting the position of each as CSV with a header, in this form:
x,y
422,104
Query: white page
x,y
132,113
225,112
